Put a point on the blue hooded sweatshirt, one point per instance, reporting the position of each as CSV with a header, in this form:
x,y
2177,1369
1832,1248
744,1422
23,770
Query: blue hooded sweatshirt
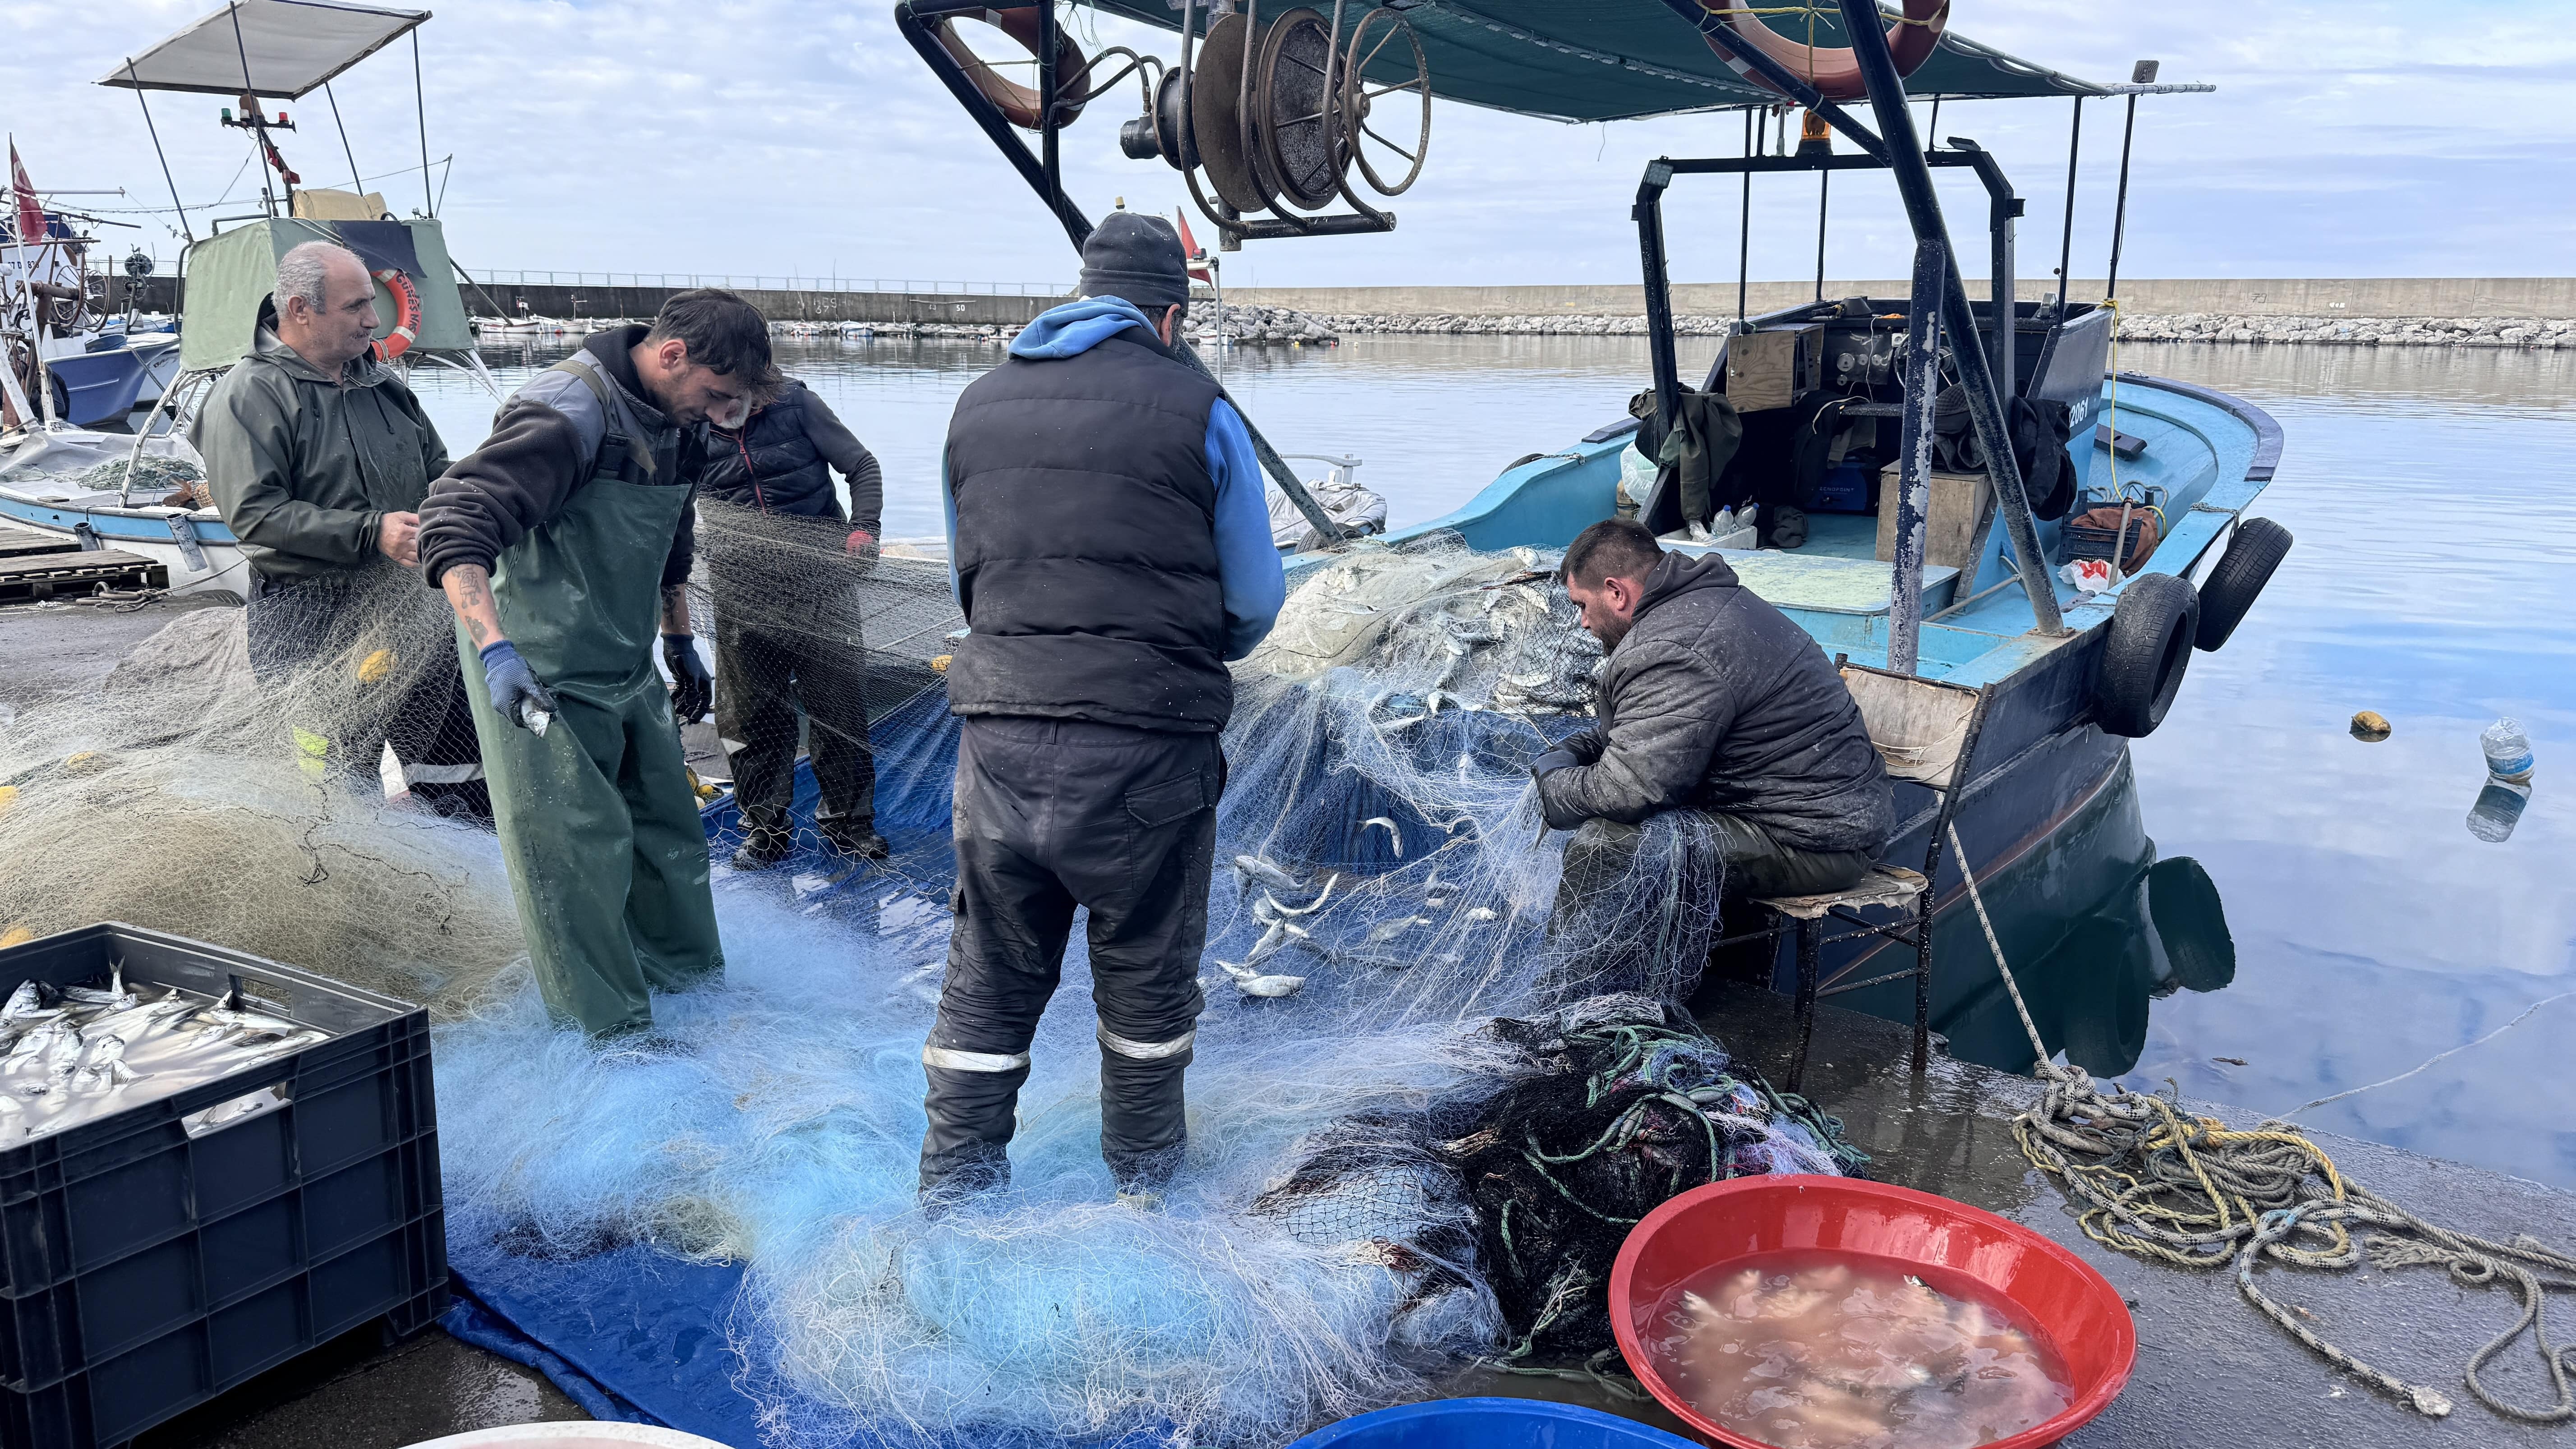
x,y
1247,562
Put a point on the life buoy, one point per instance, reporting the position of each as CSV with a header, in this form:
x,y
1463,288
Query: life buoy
x,y
1833,71
1016,102
406,315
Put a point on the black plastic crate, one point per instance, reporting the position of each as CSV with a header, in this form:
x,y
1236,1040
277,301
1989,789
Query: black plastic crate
x,y
149,1260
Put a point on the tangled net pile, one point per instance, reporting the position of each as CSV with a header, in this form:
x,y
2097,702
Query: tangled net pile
x,y
1385,894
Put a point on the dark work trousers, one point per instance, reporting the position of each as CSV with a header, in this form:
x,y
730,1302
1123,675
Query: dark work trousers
x,y
1050,815
764,679
309,643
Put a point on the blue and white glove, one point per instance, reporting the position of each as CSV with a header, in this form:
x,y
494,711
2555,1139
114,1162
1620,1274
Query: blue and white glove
x,y
516,692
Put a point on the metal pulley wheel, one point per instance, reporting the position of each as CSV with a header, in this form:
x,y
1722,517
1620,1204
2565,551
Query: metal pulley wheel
x,y
1216,106
1385,59
1295,132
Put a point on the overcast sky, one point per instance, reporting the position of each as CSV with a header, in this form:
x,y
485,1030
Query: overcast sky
x,y
2358,138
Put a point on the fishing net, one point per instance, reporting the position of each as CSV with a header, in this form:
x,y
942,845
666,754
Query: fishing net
x,y
1398,957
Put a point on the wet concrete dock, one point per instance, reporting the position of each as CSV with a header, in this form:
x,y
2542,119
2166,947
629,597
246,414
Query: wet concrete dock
x,y
2210,1370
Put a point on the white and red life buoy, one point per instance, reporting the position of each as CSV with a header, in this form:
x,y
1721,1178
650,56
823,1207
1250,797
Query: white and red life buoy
x,y
406,315
1832,70
1017,103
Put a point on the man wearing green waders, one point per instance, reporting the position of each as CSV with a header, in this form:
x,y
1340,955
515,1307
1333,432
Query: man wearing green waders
x,y
564,543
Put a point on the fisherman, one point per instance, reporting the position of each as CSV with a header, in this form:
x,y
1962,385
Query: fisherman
x,y
1712,701
788,613
561,542
318,456
1112,550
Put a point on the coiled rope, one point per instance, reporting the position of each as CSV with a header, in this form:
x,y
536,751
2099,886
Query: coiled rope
x,y
2149,1181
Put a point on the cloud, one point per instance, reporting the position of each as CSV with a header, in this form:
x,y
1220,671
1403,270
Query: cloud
x,y
755,137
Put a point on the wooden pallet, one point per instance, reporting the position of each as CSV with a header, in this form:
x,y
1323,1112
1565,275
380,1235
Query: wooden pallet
x,y
30,578
20,542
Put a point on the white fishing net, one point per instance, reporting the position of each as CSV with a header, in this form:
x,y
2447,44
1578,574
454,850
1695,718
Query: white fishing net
x,y
1385,893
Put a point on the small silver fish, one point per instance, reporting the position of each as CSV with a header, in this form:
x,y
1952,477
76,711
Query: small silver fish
x,y
1311,907
1480,913
1395,837
1266,873
1253,983
27,1003
1389,930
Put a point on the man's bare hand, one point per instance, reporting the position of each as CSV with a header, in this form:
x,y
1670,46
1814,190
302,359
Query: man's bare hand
x,y
398,538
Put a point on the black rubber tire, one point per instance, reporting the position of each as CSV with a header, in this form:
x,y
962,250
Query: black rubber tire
x,y
2144,654
2238,577
2192,922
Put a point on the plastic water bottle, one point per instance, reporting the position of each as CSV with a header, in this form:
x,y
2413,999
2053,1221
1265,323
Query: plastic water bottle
x,y
2498,810
2508,752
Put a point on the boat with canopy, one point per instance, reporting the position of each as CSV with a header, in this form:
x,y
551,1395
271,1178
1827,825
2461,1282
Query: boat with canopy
x,y
97,487
1974,500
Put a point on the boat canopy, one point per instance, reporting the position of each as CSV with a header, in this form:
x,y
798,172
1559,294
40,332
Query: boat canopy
x,y
1609,60
266,47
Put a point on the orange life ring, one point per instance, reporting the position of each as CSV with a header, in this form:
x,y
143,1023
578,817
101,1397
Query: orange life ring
x,y
1016,102
406,315
1833,71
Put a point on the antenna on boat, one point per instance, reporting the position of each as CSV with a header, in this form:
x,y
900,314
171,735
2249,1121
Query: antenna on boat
x,y
2142,82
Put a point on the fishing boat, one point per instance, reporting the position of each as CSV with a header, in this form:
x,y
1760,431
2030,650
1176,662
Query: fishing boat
x,y
93,487
2062,641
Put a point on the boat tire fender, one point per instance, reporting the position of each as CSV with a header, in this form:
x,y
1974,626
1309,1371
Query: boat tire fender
x,y
2144,654
406,315
2239,576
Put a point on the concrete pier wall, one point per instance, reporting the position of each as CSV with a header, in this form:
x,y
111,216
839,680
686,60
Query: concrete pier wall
x,y
2549,297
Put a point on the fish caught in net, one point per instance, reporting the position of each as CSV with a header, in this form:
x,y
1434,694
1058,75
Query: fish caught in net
x,y
1394,955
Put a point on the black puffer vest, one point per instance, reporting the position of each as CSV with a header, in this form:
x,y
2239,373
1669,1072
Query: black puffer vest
x,y
771,464
1086,542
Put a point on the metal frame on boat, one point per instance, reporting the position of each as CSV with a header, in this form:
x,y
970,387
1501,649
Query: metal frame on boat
x,y
2001,624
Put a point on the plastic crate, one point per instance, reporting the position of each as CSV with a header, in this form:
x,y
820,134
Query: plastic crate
x,y
149,1261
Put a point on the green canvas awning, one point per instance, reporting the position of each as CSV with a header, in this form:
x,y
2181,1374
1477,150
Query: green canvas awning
x,y
1607,60
231,273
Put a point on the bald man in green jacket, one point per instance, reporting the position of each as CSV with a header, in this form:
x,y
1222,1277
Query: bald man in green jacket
x,y
318,457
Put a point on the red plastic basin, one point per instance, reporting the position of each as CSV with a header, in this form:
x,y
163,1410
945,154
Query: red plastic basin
x,y
1708,1227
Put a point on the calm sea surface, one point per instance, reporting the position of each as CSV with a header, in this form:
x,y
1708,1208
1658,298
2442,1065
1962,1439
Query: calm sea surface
x,y
2433,494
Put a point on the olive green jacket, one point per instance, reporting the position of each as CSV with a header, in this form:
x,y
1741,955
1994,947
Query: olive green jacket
x,y
304,468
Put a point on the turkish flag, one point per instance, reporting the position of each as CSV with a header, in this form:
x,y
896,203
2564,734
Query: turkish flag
x,y
1197,259
31,216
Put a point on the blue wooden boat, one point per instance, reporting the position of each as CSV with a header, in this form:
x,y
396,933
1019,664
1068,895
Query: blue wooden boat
x,y
2063,677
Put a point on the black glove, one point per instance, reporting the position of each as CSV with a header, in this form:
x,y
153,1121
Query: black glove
x,y
516,692
1559,758
693,689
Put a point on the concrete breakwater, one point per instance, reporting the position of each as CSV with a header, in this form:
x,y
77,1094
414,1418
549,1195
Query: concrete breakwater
x,y
2506,332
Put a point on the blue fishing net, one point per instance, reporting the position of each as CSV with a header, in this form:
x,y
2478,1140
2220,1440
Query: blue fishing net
x,y
1385,895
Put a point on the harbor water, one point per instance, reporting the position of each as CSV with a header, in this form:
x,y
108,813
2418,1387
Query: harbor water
x,y
2376,927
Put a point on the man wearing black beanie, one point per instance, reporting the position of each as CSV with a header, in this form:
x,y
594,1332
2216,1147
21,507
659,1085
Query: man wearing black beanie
x,y
1111,549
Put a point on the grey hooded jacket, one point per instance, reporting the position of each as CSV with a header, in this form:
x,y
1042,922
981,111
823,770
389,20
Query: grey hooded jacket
x,y
1717,701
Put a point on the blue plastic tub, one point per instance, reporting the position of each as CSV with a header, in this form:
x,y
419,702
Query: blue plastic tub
x,y
1490,1424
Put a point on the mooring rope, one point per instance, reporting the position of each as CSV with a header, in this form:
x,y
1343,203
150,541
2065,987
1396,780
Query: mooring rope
x,y
2151,1182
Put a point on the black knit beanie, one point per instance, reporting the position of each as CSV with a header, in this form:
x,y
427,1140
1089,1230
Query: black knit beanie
x,y
1136,258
